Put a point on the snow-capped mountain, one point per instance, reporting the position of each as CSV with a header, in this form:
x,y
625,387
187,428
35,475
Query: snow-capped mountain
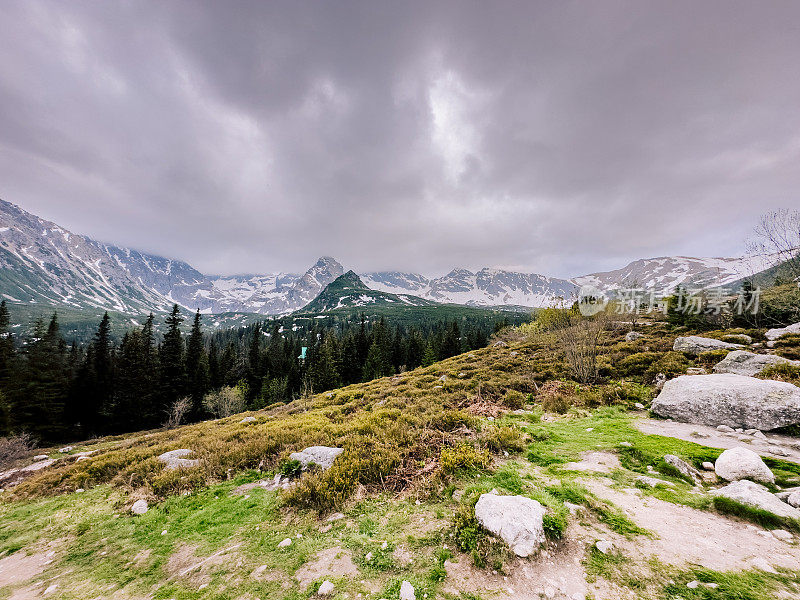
x,y
42,263
487,287
668,272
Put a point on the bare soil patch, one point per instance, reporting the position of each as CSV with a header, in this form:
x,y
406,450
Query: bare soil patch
x,y
329,563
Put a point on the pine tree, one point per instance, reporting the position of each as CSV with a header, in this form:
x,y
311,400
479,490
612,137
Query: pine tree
x,y
172,361
196,366
6,343
103,394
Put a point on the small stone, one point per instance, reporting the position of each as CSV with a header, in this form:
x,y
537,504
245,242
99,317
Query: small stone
x,y
407,591
139,507
326,589
285,543
335,517
758,434
590,429
79,490
639,405
248,420
794,499
39,457
693,585
66,449
708,466
51,589
325,528
725,428
368,557
604,546
626,444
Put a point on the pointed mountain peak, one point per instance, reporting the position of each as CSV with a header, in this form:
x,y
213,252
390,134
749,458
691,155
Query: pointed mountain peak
x,y
348,281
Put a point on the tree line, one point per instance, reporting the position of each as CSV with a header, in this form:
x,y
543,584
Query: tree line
x,y
57,390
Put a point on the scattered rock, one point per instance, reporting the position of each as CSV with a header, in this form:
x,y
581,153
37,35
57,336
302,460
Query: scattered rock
x,y
639,405
653,482
575,509
335,517
738,338
626,444
728,399
683,468
632,336
740,463
407,591
39,457
500,344
774,334
725,429
694,344
285,543
174,459
248,420
693,585
66,449
696,371
708,466
513,353
757,496
326,589
443,378
793,499
323,456
741,362
140,507
516,520
604,546
660,381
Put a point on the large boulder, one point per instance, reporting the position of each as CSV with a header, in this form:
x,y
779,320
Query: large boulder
x,y
741,362
175,459
322,456
727,399
516,520
740,463
774,334
757,496
694,344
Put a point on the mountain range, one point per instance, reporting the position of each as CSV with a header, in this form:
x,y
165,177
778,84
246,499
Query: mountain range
x,y
45,264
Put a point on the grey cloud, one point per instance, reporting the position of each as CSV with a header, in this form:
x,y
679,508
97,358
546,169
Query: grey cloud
x,y
249,137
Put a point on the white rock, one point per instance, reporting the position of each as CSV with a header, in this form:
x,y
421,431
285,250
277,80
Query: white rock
x,y
140,507
66,449
694,344
783,535
742,362
174,459
794,499
516,520
708,466
639,405
40,457
407,591
248,420
693,585
733,400
725,429
762,565
285,543
696,371
653,482
323,456
740,463
757,496
51,589
774,334
604,546
632,336
326,589
683,467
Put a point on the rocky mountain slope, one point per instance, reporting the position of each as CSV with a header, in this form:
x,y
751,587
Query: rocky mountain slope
x,y
43,263
348,291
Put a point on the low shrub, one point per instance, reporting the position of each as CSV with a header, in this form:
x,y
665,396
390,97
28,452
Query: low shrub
x,y
486,550
782,372
463,458
498,439
670,364
514,399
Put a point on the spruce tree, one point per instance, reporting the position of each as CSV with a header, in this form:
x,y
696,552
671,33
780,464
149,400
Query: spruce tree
x,y
172,361
196,366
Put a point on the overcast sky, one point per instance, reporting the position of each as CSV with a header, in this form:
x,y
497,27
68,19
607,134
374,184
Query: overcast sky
x,y
555,137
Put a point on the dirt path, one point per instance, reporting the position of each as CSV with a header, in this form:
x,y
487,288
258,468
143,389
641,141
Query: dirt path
x,y
686,536
772,446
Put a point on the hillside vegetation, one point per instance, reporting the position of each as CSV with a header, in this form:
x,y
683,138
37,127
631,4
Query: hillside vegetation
x,y
419,448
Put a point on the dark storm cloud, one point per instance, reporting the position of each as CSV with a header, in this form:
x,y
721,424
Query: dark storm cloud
x,y
249,137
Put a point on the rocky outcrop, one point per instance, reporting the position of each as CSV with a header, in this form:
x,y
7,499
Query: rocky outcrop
x,y
727,399
740,463
774,334
174,459
684,468
322,456
741,362
757,496
516,520
632,336
694,344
